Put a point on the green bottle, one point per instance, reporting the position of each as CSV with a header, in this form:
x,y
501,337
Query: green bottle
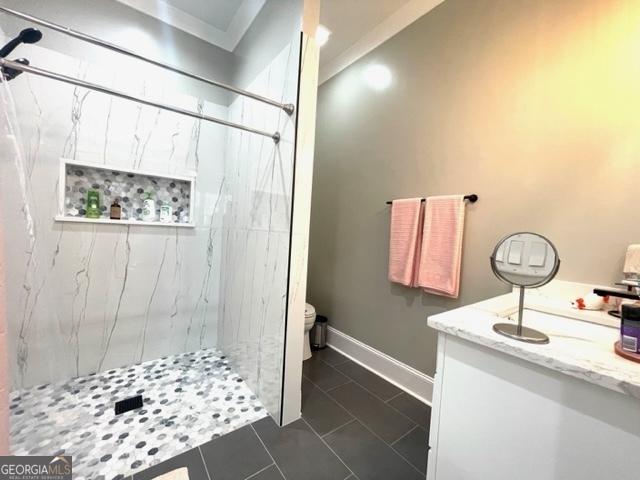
x,y
93,204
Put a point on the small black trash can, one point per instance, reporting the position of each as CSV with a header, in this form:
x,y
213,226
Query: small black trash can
x,y
319,333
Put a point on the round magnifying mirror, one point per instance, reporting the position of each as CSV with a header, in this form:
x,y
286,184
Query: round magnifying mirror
x,y
525,260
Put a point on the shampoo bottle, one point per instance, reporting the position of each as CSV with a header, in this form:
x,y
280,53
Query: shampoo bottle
x,y
93,204
148,209
166,212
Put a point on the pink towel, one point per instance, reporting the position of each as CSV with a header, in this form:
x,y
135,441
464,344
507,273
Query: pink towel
x,y
405,240
439,268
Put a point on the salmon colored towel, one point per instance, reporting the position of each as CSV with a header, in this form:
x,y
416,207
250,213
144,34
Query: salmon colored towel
x,y
405,240
439,268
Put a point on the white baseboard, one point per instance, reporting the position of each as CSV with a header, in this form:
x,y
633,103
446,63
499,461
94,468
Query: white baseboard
x,y
401,375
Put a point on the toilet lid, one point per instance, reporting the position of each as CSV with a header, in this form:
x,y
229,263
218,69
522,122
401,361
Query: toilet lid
x,y
309,310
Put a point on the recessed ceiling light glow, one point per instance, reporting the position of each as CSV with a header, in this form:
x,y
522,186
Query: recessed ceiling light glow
x,y
322,35
377,76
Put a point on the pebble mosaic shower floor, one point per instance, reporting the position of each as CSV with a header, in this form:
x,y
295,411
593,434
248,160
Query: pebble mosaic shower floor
x,y
188,400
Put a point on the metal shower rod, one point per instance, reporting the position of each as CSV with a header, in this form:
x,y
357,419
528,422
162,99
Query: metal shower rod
x,y
99,88
287,107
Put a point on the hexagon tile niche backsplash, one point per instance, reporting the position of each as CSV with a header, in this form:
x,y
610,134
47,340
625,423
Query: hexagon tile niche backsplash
x,y
129,189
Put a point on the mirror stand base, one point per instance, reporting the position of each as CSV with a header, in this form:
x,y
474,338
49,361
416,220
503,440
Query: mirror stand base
x,y
528,335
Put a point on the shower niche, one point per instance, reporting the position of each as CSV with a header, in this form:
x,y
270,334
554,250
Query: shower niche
x,y
129,189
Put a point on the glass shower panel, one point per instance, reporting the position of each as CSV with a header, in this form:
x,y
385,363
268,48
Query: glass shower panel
x,y
257,225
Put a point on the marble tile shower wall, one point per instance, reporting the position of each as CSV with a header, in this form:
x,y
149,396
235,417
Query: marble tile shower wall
x,y
85,298
257,227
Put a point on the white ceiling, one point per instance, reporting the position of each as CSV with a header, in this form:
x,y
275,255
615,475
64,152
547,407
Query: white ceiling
x,y
359,26
220,22
217,13
350,20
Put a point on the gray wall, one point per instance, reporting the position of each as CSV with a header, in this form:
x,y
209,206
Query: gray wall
x,y
531,104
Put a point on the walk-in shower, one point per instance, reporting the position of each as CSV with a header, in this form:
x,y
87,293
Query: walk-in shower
x,y
146,204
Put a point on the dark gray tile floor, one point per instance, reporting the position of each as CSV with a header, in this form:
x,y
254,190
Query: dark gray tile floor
x,y
372,382
354,426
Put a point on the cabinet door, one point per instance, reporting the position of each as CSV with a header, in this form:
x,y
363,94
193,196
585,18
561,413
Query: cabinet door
x,y
501,418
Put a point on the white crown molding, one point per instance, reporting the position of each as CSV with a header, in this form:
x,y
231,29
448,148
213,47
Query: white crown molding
x,y
242,20
382,32
175,17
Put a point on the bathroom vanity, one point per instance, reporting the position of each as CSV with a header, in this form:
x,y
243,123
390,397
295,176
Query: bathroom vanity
x,y
505,410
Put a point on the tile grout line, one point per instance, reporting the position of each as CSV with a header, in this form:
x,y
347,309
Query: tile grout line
x,y
332,388
328,348
206,469
337,386
335,402
336,364
372,393
334,369
391,447
404,435
358,383
259,471
326,392
395,396
376,396
337,428
329,397
415,424
409,418
267,450
331,449
408,462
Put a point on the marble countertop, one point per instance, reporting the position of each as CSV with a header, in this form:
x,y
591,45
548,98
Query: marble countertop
x,y
577,348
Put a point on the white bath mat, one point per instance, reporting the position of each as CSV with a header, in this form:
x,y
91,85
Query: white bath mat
x,y
177,474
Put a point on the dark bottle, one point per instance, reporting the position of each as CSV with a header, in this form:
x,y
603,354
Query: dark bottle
x,y
116,211
630,328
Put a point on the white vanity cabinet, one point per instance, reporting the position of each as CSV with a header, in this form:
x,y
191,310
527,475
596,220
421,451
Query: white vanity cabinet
x,y
505,410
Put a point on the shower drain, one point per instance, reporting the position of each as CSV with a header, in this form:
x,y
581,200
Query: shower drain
x,y
128,404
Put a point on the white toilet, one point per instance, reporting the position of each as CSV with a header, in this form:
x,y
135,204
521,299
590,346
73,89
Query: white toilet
x,y
309,320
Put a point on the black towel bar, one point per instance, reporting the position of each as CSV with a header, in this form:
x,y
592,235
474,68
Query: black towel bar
x,y
473,198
